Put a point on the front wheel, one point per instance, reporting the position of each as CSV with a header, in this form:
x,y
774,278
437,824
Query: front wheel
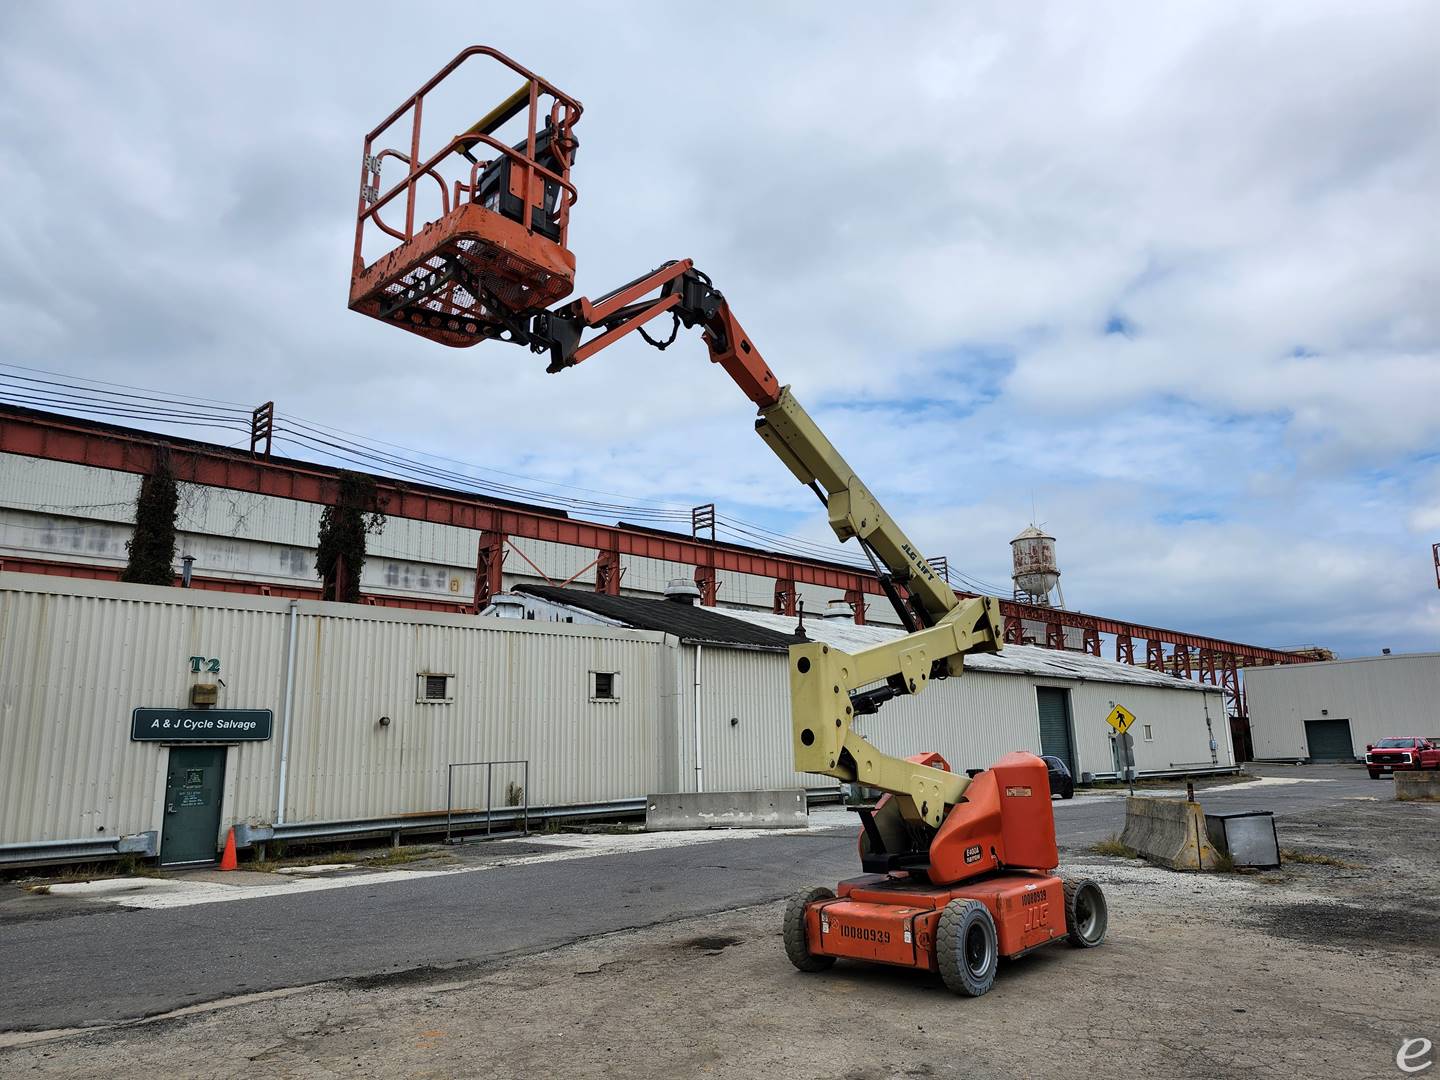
x,y
1374,774
1086,915
966,947
797,941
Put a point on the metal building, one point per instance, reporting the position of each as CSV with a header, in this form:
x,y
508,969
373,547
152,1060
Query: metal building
x,y
249,522
358,714
1331,711
1023,698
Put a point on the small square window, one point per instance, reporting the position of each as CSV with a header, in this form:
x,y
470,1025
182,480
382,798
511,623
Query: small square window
x,y
431,689
604,686
1149,735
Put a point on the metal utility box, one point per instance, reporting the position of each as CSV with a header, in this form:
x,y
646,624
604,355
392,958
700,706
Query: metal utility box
x,y
1247,836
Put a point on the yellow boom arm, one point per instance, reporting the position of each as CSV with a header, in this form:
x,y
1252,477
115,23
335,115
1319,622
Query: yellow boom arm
x,y
828,688
824,681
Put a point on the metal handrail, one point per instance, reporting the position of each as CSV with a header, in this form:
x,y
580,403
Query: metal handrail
x,y
465,54
429,168
534,171
489,781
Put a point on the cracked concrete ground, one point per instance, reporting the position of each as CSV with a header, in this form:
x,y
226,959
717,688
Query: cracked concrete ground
x,y
1317,970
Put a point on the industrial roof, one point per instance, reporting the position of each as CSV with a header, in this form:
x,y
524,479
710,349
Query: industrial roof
x,y
1012,660
706,626
761,630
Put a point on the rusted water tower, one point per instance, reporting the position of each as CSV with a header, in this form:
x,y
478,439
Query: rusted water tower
x,y
1035,572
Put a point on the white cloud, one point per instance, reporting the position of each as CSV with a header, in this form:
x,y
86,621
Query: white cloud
x,y
948,203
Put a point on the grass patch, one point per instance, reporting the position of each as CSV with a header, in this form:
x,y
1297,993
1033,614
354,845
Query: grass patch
x,y
273,863
1114,848
1313,858
124,866
402,855
388,857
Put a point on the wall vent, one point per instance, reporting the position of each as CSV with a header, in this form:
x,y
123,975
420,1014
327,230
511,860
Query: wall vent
x,y
431,689
604,686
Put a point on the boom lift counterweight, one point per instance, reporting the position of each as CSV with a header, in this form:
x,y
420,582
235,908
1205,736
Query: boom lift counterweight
x,y
957,870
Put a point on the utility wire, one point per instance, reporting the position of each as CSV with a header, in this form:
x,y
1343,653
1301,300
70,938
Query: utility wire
x,y
146,391
77,394
682,511
305,431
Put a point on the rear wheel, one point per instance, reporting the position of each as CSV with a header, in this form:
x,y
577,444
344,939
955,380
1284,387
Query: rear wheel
x,y
1086,915
966,947
797,941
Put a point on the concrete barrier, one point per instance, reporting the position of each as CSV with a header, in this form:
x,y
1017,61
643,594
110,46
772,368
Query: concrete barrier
x,y
781,809
1170,832
1418,786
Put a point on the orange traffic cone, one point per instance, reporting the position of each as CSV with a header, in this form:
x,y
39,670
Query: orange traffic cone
x,y
228,860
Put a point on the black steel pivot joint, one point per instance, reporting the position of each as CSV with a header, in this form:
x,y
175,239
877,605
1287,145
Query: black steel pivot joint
x,y
558,333
699,300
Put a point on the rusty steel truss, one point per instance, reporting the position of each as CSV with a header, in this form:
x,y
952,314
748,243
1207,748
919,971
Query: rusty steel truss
x,y
54,437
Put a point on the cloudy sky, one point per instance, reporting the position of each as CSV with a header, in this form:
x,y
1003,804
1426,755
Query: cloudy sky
x,y
1166,273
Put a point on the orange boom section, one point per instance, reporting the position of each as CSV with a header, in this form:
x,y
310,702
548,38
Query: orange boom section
x,y
471,239
1005,821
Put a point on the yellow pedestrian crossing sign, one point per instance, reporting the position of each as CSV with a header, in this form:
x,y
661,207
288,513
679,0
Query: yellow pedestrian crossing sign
x,y
1120,719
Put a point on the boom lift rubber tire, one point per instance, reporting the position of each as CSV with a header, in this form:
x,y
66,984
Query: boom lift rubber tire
x,y
1086,914
797,944
966,947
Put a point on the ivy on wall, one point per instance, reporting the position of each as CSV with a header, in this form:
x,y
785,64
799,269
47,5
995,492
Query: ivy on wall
x,y
340,554
152,547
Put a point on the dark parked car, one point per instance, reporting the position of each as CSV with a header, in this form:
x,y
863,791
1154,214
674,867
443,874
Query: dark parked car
x,y
1061,782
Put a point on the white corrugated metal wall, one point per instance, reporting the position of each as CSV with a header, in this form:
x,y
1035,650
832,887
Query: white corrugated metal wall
x,y
77,657
971,721
1380,696
520,695
74,662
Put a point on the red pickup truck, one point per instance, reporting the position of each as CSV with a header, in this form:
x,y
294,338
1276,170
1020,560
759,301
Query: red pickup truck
x,y
1393,755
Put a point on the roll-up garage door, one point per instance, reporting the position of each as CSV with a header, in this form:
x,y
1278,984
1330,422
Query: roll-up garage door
x,y
1329,740
1055,724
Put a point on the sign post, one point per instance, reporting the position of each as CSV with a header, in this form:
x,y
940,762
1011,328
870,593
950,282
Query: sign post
x,y
1121,719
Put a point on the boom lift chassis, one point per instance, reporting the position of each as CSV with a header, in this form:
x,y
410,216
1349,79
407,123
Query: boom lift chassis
x,y
957,870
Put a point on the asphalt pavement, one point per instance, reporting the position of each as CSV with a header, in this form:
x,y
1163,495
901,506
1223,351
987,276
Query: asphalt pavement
x,y
73,964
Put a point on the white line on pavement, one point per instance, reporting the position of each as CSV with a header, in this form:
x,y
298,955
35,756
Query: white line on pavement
x,y
156,893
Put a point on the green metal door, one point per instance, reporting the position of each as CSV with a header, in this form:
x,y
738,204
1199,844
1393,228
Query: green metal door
x,y
193,788
1329,740
1054,707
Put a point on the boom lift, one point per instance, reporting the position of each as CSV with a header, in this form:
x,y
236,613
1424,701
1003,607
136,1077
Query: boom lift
x,y
957,870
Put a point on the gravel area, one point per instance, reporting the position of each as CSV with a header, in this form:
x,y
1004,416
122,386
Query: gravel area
x,y
1320,969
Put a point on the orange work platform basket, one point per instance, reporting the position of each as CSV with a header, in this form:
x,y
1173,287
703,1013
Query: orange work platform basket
x,y
471,239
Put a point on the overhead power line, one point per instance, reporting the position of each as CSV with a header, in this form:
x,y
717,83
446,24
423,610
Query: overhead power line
x,y
96,397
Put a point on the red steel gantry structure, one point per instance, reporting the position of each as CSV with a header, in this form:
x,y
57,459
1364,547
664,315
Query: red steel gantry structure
x,y
84,442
